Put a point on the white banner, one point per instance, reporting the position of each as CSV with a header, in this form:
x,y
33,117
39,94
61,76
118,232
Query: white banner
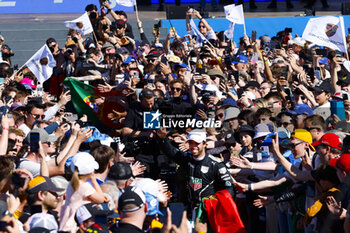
x,y
81,24
42,63
326,31
234,13
127,3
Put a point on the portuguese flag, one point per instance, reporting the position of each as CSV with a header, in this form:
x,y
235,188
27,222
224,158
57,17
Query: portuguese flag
x,y
221,213
84,98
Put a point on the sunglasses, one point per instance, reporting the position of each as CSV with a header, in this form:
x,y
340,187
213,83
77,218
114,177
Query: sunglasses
x,y
202,26
311,128
285,124
151,60
37,116
293,145
176,88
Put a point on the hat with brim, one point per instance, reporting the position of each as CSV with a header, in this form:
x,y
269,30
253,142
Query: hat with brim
x,y
231,113
216,72
262,130
244,129
330,139
304,135
197,136
42,183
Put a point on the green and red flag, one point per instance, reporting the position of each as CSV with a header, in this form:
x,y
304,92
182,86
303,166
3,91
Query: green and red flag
x,y
84,98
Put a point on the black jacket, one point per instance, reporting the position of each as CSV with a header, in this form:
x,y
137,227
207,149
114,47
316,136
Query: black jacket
x,y
205,176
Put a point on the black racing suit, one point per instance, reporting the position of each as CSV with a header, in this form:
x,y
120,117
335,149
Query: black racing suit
x,y
205,176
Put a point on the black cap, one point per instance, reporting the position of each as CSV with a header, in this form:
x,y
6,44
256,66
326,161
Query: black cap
x,y
230,139
344,79
324,85
252,84
133,197
120,171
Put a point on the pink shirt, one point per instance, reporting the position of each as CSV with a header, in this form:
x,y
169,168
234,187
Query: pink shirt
x,y
73,201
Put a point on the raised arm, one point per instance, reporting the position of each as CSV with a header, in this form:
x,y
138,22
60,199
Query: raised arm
x,y
290,168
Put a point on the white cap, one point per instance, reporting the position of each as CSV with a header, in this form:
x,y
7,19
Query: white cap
x,y
250,95
147,185
212,87
43,220
340,94
85,163
197,136
298,41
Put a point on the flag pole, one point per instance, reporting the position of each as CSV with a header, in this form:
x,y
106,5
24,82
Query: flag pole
x,y
136,11
93,33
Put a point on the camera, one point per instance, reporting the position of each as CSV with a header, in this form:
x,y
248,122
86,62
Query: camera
x,y
206,95
17,182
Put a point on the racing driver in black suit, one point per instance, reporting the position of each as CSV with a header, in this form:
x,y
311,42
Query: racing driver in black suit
x,y
206,173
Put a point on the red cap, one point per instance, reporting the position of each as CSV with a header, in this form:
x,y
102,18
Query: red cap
x,y
330,139
342,163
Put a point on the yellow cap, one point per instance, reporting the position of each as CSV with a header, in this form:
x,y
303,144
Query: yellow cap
x,y
303,135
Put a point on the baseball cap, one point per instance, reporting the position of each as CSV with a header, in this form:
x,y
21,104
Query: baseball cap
x,y
43,220
283,134
262,130
120,23
342,163
298,41
252,84
278,60
151,191
330,139
44,136
153,53
231,113
28,82
197,136
229,102
85,163
216,72
323,85
323,61
240,59
344,79
89,210
303,135
302,109
107,45
341,94
129,60
42,183
131,196
230,139
120,171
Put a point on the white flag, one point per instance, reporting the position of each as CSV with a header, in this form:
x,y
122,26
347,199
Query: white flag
x,y
229,32
196,31
42,63
326,31
81,24
127,3
234,13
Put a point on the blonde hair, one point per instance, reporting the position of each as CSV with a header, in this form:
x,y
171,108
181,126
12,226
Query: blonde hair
x,y
75,182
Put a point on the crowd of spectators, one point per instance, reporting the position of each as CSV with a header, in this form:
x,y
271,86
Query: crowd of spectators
x,y
278,147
